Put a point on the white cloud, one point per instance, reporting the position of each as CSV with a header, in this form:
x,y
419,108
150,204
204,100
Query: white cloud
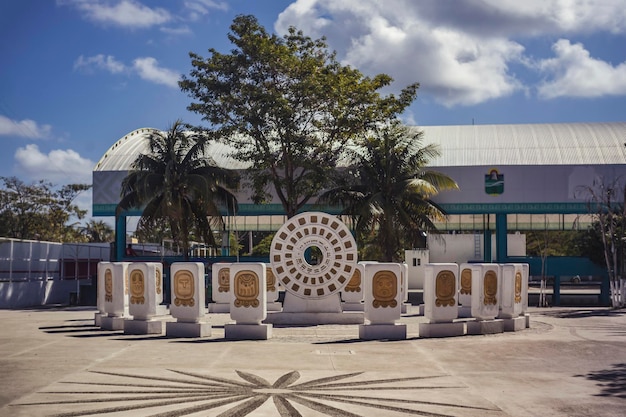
x,y
199,8
100,61
574,73
58,166
24,128
125,13
148,69
461,52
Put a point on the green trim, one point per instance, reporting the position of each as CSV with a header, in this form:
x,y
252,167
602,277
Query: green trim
x,y
520,208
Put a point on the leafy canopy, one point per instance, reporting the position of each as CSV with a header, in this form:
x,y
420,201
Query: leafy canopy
x,y
178,183
388,190
287,107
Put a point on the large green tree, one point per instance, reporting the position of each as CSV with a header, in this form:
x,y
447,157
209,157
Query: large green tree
x,y
40,210
287,107
179,183
388,190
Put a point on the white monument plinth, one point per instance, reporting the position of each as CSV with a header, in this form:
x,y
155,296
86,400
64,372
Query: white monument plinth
x,y
220,288
115,296
272,290
441,301
352,294
188,301
486,293
465,290
145,298
383,302
248,302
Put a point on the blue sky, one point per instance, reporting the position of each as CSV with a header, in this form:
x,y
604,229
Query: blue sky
x,y
76,75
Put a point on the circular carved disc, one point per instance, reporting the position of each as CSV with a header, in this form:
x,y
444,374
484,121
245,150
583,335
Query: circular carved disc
x,y
324,233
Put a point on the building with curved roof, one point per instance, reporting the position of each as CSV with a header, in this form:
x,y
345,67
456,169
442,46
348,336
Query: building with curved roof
x,y
522,176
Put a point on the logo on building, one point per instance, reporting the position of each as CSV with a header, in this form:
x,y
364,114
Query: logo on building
x,y
494,182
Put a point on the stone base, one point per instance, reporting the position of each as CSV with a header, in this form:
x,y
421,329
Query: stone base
x,y
350,317
527,317
276,306
514,324
485,326
184,329
442,329
404,308
382,331
97,319
422,308
143,327
346,306
247,331
219,308
465,312
112,323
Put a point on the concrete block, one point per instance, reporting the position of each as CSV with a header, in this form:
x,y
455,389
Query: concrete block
x,y
382,331
112,323
515,324
143,327
182,329
485,327
442,329
247,331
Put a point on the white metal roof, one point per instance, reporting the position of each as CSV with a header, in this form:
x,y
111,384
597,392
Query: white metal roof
x,y
471,145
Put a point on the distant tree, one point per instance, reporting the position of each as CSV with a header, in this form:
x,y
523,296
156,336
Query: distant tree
x,y
40,210
263,247
98,231
606,201
288,108
178,183
388,190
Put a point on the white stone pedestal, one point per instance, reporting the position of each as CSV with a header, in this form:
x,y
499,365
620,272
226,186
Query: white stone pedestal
x,y
527,317
515,324
442,329
248,331
358,306
112,323
298,311
183,329
382,331
152,326
485,326
97,317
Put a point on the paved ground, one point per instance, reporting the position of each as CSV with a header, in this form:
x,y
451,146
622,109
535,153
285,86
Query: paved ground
x,y
571,362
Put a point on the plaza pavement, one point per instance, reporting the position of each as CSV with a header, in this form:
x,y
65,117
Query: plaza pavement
x,y
570,362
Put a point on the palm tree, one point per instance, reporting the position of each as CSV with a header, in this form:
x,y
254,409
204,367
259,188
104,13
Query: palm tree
x,y
388,191
98,231
178,183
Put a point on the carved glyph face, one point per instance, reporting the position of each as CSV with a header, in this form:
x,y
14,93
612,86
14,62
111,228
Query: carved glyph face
x,y
223,279
158,281
270,279
246,285
384,286
183,285
445,285
354,285
466,281
518,287
490,288
108,282
137,283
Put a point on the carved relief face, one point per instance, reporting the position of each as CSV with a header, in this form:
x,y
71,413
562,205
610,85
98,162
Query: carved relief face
x,y
466,281
270,279
183,285
158,281
108,283
354,285
384,286
246,289
518,287
445,289
490,287
223,280
137,284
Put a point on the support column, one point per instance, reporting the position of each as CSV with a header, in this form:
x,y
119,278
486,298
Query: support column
x,y
120,237
501,236
486,240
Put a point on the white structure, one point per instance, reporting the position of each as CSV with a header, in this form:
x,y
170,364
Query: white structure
x,y
441,301
115,283
145,281
273,290
313,286
248,302
383,302
513,294
352,294
220,286
465,290
188,301
486,293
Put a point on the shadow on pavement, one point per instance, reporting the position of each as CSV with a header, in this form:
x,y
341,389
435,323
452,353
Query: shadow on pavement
x,y
582,313
612,381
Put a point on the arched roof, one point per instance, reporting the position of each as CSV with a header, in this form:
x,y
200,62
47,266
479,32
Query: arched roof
x,y
470,145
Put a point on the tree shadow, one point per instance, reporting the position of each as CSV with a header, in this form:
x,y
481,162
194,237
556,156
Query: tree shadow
x,y
612,381
584,313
